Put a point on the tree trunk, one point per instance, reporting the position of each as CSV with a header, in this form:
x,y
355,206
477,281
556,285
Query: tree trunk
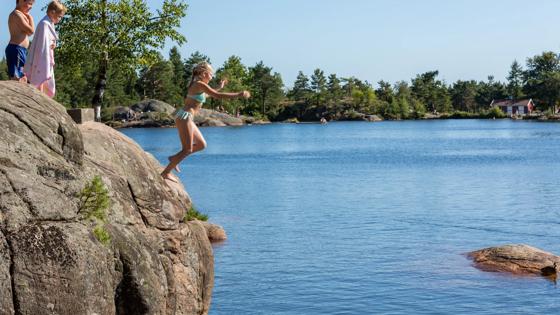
x,y
100,86
97,101
264,92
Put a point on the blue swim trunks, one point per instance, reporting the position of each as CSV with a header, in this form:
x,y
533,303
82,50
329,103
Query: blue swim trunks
x,y
15,58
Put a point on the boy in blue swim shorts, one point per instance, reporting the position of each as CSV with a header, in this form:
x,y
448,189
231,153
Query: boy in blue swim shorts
x,y
21,25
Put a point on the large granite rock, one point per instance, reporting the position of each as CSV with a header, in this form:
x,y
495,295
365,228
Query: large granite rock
x,y
154,113
50,260
210,118
516,259
151,105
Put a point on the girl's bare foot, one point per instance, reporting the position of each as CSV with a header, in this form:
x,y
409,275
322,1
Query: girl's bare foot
x,y
177,169
168,176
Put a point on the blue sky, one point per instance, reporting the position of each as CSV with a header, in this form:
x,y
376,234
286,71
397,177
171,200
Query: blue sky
x,y
370,39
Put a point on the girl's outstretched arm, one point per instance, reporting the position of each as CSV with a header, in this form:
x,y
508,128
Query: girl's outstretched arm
x,y
228,95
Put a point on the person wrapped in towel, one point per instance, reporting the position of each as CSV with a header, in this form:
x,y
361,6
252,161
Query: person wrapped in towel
x,y
39,68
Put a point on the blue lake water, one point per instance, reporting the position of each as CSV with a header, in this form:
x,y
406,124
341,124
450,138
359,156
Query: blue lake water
x,y
373,218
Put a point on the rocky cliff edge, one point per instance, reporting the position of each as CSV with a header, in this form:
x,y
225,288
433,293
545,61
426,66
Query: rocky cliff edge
x,y
50,260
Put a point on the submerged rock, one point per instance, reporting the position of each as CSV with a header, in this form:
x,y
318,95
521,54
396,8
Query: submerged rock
x,y
50,259
516,259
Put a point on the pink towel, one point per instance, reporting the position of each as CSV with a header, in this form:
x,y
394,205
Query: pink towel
x,y
39,67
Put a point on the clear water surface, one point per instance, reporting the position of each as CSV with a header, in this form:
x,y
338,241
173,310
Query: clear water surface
x,y
373,218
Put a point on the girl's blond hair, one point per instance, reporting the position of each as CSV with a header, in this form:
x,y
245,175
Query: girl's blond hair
x,y
57,7
199,69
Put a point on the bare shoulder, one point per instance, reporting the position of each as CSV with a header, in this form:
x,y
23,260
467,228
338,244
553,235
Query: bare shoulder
x,y
16,15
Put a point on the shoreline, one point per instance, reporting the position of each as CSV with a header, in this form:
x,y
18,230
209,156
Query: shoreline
x,y
152,124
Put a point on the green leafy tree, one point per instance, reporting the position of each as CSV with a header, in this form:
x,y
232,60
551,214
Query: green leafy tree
x,y
364,100
301,89
334,88
157,82
116,33
385,91
319,85
349,84
542,78
266,88
194,59
432,92
74,83
463,95
236,74
402,89
515,81
179,76
489,91
404,98
122,90
418,109
404,107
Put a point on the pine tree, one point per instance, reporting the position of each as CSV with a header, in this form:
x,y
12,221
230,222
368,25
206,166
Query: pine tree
x,y
318,85
157,82
188,66
266,89
515,81
301,89
179,77
333,87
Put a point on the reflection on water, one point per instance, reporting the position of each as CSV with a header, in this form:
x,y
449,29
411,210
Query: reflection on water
x,y
374,218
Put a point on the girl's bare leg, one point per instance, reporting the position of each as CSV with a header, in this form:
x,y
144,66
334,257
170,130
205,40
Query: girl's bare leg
x,y
186,143
191,141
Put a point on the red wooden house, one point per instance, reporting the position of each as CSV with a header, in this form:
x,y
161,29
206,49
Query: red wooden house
x,y
514,107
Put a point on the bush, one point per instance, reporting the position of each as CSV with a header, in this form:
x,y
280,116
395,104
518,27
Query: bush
x,y
194,214
463,115
94,202
493,112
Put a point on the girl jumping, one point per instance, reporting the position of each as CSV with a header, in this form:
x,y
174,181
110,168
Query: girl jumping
x,y
191,138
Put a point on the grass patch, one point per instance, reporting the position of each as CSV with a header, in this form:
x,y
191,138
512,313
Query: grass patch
x,y
194,214
101,234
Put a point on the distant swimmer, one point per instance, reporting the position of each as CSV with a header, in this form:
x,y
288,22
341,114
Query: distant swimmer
x,y
323,120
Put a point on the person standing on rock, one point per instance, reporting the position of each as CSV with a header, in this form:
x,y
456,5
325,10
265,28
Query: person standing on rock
x,y
40,66
21,25
191,138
